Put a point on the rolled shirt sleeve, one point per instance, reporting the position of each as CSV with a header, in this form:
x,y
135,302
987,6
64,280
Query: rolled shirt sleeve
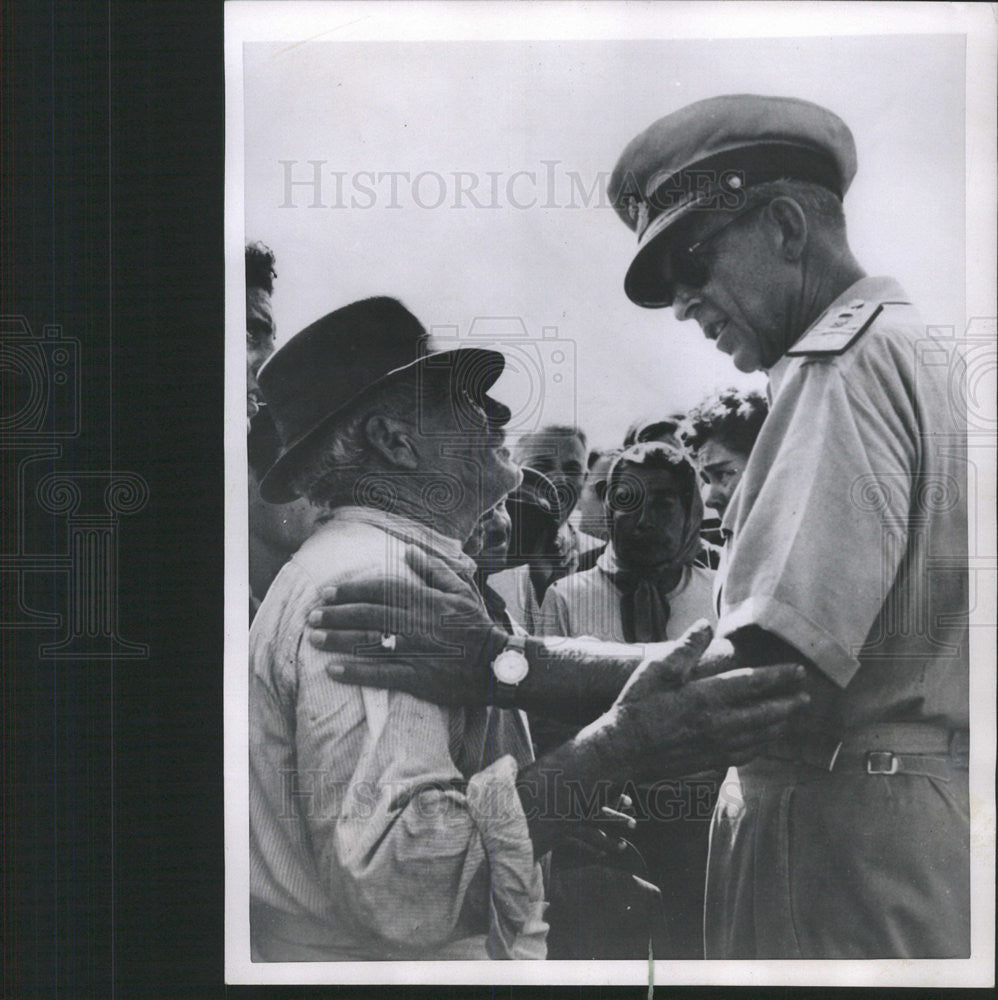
x,y
820,518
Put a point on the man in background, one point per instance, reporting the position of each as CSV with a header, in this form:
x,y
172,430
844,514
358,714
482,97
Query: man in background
x,y
275,531
559,454
592,518
260,328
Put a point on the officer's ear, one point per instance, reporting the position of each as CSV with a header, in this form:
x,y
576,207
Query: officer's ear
x,y
790,227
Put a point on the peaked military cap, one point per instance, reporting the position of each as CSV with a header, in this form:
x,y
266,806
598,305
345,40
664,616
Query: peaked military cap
x,y
707,155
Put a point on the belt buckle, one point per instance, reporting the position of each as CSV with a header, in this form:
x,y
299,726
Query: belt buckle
x,y
882,762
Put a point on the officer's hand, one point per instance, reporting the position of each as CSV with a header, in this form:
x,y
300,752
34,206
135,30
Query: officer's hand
x,y
661,727
718,658
441,641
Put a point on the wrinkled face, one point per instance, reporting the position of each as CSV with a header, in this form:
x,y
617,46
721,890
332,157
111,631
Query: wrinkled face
x,y
464,455
647,513
562,458
739,306
489,541
720,470
260,332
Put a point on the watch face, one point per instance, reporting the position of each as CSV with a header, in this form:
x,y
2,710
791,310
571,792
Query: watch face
x,y
510,667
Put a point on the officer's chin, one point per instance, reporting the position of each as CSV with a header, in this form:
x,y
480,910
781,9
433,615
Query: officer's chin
x,y
746,363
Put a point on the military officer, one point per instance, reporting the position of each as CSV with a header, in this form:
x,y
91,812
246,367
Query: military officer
x,y
848,537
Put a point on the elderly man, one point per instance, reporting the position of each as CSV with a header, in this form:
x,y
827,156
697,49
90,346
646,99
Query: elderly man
x,y
849,542
383,826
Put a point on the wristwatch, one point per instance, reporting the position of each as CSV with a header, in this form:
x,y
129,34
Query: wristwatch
x,y
509,668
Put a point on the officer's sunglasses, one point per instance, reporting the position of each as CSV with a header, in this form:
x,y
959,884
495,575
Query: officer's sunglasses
x,y
687,267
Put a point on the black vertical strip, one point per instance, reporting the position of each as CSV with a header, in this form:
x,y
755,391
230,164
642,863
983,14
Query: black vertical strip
x,y
165,116
57,731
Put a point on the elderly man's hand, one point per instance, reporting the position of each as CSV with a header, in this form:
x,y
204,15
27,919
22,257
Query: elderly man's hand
x,y
441,641
665,725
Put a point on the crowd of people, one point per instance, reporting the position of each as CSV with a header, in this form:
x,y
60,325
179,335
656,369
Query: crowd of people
x,y
529,699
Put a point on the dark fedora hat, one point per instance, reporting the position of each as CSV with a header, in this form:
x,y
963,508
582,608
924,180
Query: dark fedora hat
x,y
339,359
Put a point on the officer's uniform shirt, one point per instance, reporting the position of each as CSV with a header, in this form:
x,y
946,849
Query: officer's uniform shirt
x,y
849,542
848,529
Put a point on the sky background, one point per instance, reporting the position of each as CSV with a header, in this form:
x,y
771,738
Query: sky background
x,y
544,282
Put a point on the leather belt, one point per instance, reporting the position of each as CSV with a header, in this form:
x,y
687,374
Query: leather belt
x,y
887,749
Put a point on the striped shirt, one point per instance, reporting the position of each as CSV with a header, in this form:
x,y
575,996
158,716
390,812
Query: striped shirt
x,y
381,826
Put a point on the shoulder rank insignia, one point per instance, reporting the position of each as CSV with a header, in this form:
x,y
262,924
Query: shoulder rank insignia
x,y
838,329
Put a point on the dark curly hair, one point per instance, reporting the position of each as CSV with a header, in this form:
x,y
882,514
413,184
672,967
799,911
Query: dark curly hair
x,y
260,271
731,417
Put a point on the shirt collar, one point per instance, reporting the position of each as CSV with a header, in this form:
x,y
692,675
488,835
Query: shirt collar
x,y
608,560
881,289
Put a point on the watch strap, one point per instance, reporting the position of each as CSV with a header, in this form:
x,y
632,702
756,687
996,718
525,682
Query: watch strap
x,y
503,693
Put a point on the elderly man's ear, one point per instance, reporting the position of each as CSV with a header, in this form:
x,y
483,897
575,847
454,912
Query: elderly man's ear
x,y
392,439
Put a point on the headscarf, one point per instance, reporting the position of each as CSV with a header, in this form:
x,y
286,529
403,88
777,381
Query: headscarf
x,y
644,606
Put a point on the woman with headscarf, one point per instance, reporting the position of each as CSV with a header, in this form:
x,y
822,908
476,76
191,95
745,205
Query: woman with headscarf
x,y
647,586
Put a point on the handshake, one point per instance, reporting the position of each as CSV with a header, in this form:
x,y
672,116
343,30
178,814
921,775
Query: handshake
x,y
648,713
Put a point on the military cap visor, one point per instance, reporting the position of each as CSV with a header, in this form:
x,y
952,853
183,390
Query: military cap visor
x,y
708,156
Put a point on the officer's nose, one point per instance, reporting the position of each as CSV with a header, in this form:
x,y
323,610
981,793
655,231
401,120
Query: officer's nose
x,y
684,301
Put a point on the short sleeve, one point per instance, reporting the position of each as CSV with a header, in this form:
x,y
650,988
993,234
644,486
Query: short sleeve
x,y
817,538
